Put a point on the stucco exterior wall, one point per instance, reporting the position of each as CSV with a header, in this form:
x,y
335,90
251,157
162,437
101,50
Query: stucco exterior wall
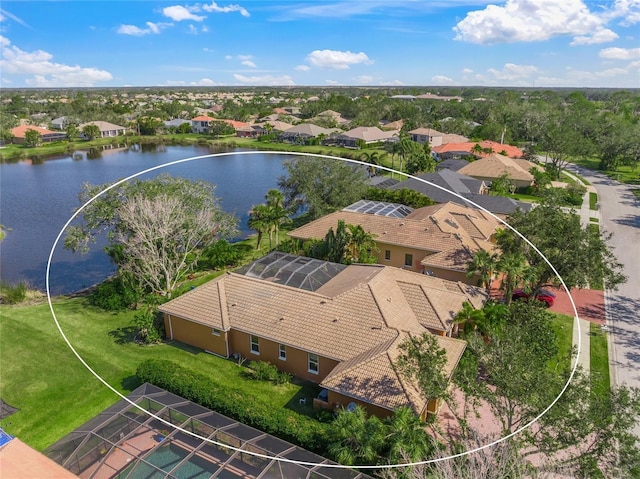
x,y
195,334
397,256
337,401
296,362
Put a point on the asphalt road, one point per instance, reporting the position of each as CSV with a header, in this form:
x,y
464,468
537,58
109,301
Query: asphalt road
x,y
620,215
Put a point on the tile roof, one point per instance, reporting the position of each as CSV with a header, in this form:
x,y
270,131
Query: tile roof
x,y
368,134
357,318
103,125
203,118
20,131
495,165
467,146
308,129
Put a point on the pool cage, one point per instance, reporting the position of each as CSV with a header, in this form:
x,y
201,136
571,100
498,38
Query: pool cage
x,y
125,443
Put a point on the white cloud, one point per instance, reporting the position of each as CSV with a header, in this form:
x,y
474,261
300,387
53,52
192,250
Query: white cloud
x,y
467,70
302,68
527,21
620,53
228,57
442,80
511,71
178,13
139,32
245,57
248,63
14,61
229,8
336,59
332,82
393,83
267,80
366,79
5,14
205,82
603,35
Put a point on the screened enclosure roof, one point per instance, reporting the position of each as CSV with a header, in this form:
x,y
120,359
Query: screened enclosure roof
x,y
379,208
292,270
125,443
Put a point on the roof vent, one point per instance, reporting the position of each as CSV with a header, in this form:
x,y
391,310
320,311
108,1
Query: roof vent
x,y
335,320
234,304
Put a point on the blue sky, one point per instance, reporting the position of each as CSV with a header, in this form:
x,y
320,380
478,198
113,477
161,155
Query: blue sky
x,y
541,43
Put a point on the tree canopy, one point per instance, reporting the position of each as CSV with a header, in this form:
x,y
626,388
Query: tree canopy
x,y
320,186
156,228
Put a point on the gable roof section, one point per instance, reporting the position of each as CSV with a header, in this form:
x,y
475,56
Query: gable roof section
x,y
448,179
468,146
20,131
307,129
368,134
103,125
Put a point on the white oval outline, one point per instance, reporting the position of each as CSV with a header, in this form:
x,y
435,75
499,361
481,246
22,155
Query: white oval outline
x,y
283,459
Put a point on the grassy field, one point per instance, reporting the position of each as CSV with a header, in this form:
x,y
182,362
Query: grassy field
x,y
593,200
55,393
600,381
563,327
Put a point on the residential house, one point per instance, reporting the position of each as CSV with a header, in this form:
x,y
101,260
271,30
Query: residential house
x,y
106,129
46,136
436,240
305,132
335,325
364,135
202,123
477,149
176,122
496,165
60,123
431,96
434,137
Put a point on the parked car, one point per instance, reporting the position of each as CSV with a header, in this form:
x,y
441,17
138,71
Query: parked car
x,y
543,295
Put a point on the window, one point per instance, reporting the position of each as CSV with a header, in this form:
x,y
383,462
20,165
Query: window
x,y
255,344
215,331
313,363
387,254
408,259
282,352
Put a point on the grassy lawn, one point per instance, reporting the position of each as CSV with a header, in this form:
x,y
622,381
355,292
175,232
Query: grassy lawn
x,y
593,200
55,393
599,357
563,327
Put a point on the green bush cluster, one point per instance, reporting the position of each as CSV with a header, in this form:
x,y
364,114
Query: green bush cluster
x,y
265,371
114,295
13,293
285,424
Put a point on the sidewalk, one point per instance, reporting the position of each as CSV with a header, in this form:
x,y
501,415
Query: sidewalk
x,y
585,212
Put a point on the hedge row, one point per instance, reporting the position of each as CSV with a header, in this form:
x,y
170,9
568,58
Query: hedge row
x,y
285,424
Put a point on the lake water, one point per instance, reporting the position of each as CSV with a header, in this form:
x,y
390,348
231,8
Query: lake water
x,y
36,200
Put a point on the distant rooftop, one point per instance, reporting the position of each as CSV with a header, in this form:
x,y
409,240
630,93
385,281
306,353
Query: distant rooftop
x,y
379,208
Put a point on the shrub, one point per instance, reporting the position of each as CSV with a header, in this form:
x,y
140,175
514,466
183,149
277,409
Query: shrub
x,y
114,295
204,390
148,323
263,371
14,293
283,377
221,254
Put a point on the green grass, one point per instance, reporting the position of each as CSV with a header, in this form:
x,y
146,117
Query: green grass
x,y
636,191
599,358
593,200
563,327
593,220
56,394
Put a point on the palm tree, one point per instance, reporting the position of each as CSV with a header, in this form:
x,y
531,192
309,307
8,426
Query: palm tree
x,y
515,268
277,214
406,437
468,318
259,221
356,439
361,244
483,265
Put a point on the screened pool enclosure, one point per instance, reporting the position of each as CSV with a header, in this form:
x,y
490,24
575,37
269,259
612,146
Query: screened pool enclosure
x,y
124,442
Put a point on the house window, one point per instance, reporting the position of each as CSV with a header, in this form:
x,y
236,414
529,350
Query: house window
x,y
408,259
255,344
387,254
282,352
314,363
215,331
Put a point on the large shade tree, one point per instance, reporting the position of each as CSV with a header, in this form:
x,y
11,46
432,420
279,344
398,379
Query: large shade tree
x,y
156,228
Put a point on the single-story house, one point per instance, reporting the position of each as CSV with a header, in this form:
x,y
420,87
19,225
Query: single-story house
x,y
176,122
106,129
450,180
46,136
60,123
495,165
335,325
202,123
365,134
304,132
437,240
478,149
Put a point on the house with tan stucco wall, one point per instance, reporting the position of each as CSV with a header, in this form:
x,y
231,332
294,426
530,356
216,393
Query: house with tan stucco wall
x,y
437,240
335,325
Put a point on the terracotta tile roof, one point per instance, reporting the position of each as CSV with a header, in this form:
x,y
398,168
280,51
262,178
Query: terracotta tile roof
x,y
234,123
19,131
495,165
467,146
426,132
203,118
